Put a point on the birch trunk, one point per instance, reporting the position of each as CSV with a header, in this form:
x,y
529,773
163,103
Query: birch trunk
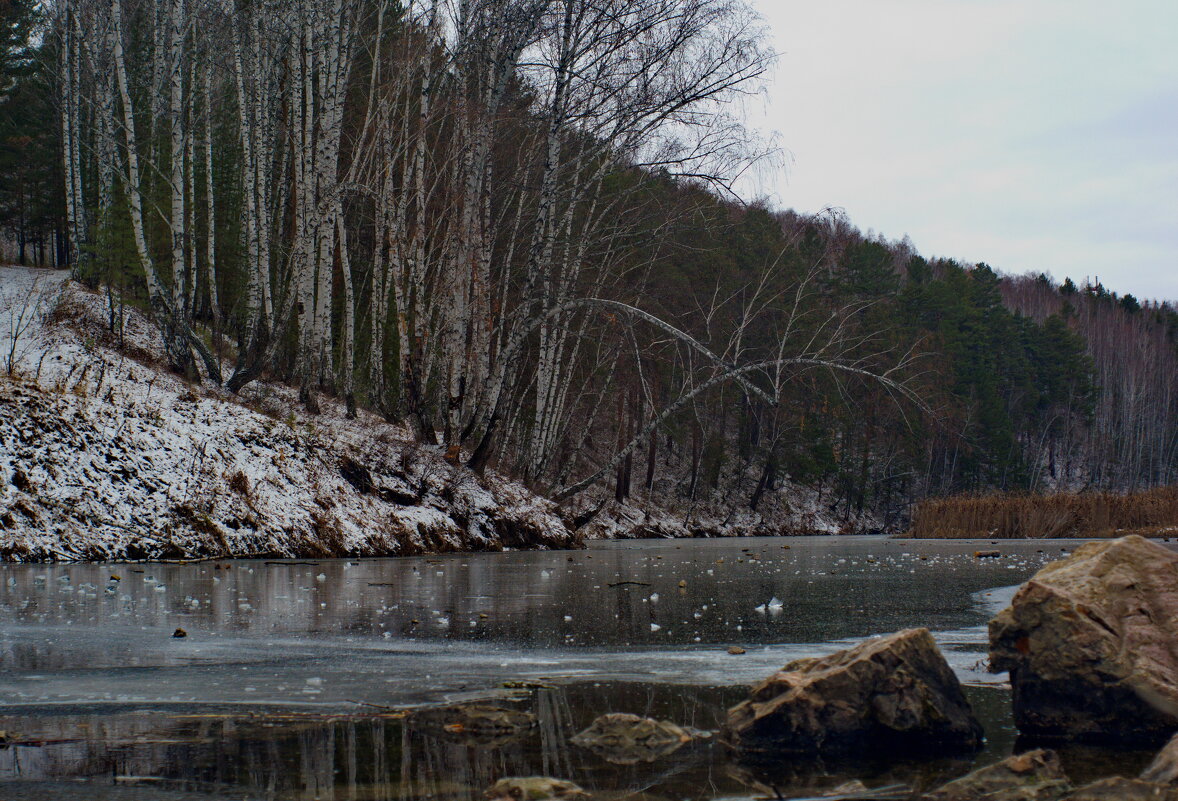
x,y
69,133
157,292
178,328
210,204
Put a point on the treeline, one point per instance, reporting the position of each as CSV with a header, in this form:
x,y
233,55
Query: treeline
x,y
505,223
1022,384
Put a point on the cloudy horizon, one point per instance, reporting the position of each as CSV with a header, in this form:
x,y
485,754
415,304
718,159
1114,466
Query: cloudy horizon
x,y
1034,136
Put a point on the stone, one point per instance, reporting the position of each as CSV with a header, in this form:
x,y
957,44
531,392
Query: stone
x,y
1164,768
1117,788
624,739
888,694
476,724
1033,776
1091,643
534,788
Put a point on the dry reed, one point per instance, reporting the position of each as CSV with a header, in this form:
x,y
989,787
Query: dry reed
x,y
1150,513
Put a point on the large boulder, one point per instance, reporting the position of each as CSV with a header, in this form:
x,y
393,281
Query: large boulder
x,y
1033,776
1091,643
888,694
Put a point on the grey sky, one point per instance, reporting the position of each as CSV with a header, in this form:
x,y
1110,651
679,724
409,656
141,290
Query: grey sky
x,y
1034,135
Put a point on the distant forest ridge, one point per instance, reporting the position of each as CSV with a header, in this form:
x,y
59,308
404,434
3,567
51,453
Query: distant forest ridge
x,y
506,224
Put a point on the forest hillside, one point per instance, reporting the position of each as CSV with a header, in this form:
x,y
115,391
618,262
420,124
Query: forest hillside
x,y
111,456
507,229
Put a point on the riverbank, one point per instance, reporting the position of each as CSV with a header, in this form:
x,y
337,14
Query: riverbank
x,y
106,455
1091,515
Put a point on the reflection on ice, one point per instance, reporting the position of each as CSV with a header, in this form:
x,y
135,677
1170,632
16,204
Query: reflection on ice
x,y
89,666
453,754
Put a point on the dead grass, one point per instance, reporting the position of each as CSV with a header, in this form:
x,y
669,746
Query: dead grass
x,y
1150,513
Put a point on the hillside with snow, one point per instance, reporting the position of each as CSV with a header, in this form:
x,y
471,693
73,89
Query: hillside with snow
x,y
106,455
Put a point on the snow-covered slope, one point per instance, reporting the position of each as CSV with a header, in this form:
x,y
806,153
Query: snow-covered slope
x,y
790,510
104,454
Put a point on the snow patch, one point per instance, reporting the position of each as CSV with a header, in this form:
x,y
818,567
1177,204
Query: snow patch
x,y
104,454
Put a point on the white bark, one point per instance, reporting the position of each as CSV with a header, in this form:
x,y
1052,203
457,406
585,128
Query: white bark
x,y
67,67
210,202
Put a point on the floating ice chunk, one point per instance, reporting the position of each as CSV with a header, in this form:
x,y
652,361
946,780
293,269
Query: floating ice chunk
x,y
655,627
654,597
775,603
321,577
568,618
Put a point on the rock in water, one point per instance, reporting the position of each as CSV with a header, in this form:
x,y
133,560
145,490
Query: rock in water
x,y
474,724
1091,643
534,788
1033,776
629,739
893,693
1164,768
1117,788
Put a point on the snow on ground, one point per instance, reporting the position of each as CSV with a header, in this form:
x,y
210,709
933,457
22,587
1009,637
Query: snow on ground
x,y
104,454
791,510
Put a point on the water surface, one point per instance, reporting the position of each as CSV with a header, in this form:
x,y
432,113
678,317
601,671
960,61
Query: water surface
x,y
294,677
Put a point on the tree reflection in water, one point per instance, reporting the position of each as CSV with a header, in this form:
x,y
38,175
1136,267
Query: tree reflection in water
x,y
428,754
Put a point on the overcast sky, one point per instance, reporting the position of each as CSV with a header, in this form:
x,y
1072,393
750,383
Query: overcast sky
x,y
1033,135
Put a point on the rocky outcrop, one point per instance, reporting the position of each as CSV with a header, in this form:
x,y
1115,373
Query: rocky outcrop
x,y
889,694
1033,776
625,739
1091,643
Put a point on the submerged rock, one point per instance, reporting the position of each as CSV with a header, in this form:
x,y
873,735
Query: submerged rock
x,y
1033,776
534,788
1091,643
1164,768
625,739
893,694
477,724
1117,788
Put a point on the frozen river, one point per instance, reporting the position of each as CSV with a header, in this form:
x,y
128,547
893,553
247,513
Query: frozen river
x,y
293,677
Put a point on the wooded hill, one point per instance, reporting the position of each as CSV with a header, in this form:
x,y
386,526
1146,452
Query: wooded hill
x,y
506,223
